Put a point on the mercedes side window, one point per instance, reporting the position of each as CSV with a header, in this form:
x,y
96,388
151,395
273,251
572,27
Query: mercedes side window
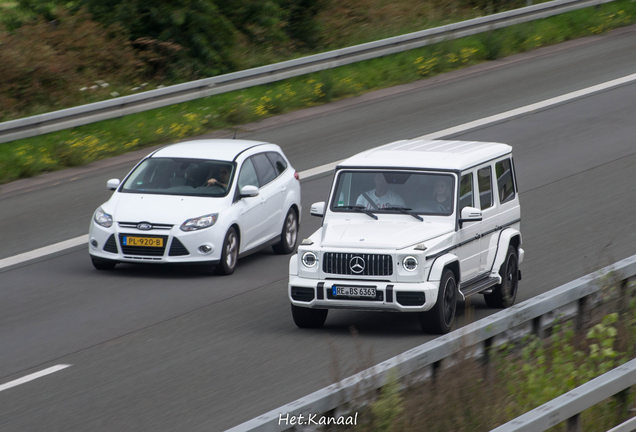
x,y
264,168
466,192
248,176
278,162
484,176
505,182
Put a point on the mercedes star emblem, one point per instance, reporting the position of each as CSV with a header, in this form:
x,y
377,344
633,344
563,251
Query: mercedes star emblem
x,y
356,264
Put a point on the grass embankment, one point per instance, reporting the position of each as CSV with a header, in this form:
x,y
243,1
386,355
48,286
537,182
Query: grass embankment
x,y
59,150
471,397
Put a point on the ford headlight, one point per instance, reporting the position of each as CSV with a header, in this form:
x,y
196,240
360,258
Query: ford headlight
x,y
310,259
102,218
200,222
410,263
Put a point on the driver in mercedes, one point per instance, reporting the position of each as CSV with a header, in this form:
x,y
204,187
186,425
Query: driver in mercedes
x,y
381,197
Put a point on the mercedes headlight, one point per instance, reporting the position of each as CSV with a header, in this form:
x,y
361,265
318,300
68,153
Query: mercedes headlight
x,y
410,263
310,259
199,222
102,218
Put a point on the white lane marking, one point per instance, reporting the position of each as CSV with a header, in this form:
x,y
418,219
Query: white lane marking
x,y
44,251
330,166
36,375
529,108
318,170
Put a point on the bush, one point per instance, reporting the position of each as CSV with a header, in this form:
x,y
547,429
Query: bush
x,y
196,25
262,22
493,6
43,64
301,23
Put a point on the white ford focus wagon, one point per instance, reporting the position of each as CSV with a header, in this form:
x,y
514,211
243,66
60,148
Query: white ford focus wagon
x,y
207,202
413,226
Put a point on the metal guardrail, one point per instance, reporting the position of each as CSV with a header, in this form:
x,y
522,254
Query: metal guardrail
x,y
570,301
628,426
91,113
568,406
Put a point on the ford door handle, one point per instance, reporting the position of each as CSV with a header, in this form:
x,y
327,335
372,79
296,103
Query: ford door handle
x,y
263,201
283,189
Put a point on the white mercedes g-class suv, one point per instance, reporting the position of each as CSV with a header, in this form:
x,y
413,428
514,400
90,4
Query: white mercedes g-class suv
x,y
413,226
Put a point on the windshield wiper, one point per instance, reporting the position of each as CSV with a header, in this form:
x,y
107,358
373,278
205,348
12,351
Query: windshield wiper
x,y
405,210
361,209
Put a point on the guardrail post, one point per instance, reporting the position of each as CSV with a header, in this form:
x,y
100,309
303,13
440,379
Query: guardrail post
x,y
536,327
574,425
485,359
622,407
435,370
582,316
487,347
623,298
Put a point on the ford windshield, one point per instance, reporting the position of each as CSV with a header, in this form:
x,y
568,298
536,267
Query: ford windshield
x,y
179,176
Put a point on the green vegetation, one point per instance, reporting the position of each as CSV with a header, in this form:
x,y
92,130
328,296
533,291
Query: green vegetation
x,y
36,77
519,378
388,407
57,54
29,157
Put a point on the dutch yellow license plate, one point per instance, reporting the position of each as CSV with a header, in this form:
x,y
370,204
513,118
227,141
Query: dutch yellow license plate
x,y
142,241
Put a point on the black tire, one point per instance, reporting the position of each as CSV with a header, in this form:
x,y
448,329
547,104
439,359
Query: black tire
x,y
440,318
101,264
288,235
229,255
309,318
504,294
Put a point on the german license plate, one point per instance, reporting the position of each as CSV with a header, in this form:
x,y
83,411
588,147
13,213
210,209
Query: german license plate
x,y
353,291
142,241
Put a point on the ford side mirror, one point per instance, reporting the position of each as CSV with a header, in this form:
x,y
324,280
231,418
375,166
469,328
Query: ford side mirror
x,y
470,214
112,184
318,209
249,191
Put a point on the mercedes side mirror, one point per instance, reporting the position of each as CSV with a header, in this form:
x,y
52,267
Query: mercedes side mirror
x,y
318,209
470,214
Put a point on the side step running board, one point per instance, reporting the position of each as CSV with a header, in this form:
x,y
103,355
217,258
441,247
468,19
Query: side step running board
x,y
478,286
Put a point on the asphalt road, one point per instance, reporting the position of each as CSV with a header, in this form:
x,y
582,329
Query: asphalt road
x,y
162,349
